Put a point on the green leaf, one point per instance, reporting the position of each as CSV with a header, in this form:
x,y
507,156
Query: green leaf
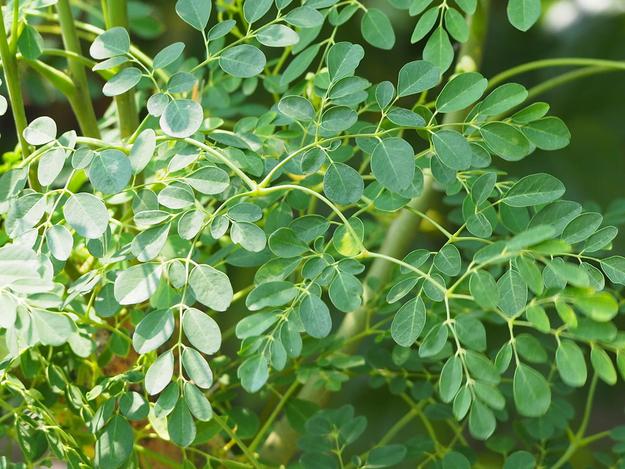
x,y
110,172
377,30
253,10
209,180
114,445
304,17
408,322
461,91
434,341
456,25
523,13
201,330
315,316
548,133
284,243
86,214
602,364
153,331
198,405
50,165
571,363
60,242
211,287
538,317
512,292
453,459
484,289
505,141
142,150
614,268
181,82
520,460
180,425
52,328
386,456
249,236
392,163
345,292
532,395
448,261
417,76
438,50
30,43
168,55
502,99
482,421
181,118
134,406
343,59
111,43
450,379
343,184
535,189
270,294
197,368
253,373
581,227
124,81
483,187
194,12
338,118
137,284
425,24
160,373
40,131
296,107
242,61
453,149
277,35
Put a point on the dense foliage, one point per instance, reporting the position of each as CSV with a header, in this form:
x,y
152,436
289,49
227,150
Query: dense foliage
x,y
237,238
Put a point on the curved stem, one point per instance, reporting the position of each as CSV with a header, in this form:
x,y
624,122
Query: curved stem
x,y
559,62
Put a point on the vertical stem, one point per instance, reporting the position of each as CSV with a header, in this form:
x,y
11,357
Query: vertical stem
x,y
126,109
11,77
83,109
281,443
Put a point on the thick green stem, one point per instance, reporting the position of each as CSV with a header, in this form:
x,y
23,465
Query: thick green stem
x,y
12,79
85,114
281,443
126,108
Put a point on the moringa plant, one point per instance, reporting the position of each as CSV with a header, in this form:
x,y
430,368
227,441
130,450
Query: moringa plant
x,y
192,278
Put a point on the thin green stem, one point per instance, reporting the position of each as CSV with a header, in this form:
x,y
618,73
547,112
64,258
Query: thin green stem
x,y
559,62
274,414
577,440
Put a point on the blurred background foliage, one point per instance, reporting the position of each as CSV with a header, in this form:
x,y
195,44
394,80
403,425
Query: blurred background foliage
x,y
592,167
